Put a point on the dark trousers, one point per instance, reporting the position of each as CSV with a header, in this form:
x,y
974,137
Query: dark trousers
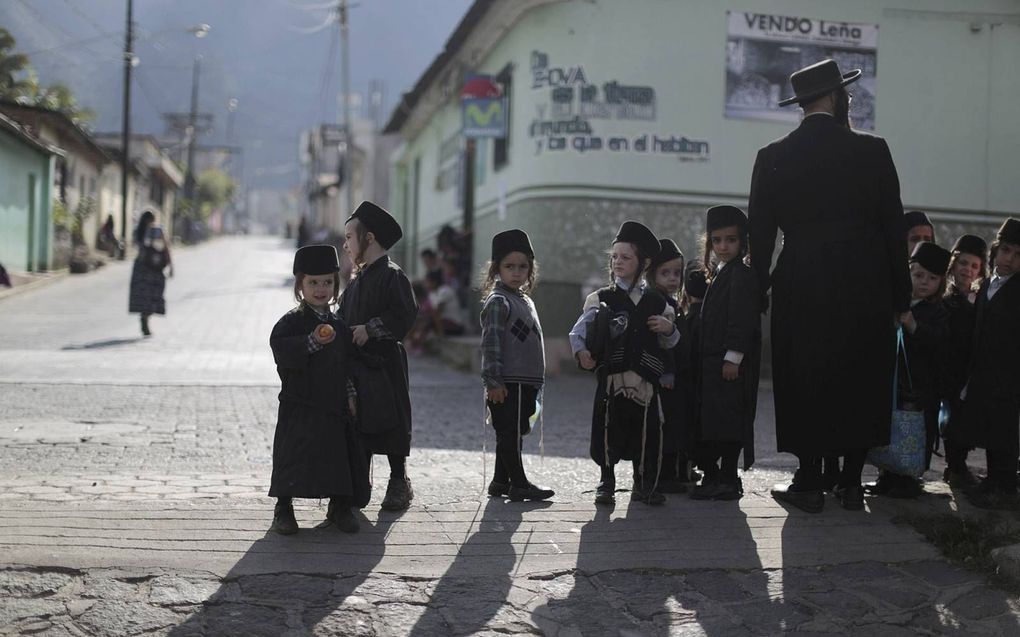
x,y
956,450
809,474
510,419
1000,419
721,457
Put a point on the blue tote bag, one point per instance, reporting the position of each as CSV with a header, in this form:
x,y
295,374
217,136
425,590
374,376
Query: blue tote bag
x,y
905,453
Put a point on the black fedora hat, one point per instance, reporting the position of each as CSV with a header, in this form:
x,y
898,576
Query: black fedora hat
x,y
668,250
971,244
932,257
639,234
1009,232
316,260
503,243
725,216
378,222
816,80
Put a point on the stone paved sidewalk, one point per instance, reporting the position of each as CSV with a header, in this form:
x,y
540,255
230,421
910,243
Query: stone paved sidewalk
x,y
134,472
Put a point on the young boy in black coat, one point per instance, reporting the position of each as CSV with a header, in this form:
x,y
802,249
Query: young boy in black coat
x,y
992,395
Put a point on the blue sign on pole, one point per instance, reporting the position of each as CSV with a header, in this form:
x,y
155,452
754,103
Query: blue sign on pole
x,y
483,117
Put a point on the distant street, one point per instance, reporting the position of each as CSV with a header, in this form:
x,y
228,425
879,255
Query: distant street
x,y
135,471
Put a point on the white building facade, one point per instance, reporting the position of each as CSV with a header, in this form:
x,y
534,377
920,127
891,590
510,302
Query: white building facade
x,y
653,110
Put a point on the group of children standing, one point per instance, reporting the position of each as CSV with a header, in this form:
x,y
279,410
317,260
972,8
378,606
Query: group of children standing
x,y
675,348
961,343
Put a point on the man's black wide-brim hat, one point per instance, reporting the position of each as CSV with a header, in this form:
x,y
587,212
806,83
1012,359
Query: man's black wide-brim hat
x,y
812,82
1009,232
316,260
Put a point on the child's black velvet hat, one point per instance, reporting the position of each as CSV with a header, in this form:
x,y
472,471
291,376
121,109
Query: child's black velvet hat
x,y
932,257
639,235
378,222
668,250
971,244
916,218
316,260
694,283
1009,232
724,217
508,241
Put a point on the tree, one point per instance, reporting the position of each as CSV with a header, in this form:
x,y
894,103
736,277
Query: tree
x,y
19,82
215,189
11,66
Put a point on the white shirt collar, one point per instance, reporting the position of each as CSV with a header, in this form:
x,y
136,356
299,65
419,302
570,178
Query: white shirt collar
x,y
625,285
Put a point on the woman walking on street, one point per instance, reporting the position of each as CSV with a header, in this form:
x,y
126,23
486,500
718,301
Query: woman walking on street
x,y
147,278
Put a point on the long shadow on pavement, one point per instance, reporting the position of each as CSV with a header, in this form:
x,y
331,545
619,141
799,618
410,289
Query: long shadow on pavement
x,y
474,592
653,572
309,578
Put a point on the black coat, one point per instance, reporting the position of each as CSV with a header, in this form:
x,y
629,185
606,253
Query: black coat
x,y
924,349
316,452
994,371
730,320
837,285
954,359
678,403
381,291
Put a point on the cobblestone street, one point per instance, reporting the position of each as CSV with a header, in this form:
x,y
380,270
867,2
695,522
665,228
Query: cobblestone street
x,y
135,472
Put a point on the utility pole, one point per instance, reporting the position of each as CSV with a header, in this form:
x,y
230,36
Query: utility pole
x,y
125,140
189,176
345,88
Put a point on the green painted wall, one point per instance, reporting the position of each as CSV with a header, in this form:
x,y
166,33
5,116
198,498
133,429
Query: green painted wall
x,y
26,178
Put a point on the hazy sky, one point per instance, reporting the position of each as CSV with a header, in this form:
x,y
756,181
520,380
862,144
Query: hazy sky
x,y
265,53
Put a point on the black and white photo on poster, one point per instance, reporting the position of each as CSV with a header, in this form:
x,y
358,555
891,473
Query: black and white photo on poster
x,y
762,50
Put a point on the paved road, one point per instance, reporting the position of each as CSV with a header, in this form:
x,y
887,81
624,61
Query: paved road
x,y
134,474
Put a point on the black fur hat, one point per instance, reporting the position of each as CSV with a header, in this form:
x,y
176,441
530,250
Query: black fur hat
x,y
668,250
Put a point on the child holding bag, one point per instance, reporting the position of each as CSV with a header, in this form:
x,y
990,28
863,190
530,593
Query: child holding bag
x,y
626,421
925,332
513,360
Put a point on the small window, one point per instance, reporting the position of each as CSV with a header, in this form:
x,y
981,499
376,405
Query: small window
x,y
501,147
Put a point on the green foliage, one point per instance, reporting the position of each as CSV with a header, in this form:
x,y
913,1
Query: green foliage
x,y
215,188
61,215
86,208
19,82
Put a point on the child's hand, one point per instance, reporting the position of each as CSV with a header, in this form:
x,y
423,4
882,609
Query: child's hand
x,y
496,394
323,333
730,371
360,334
660,324
585,360
352,406
908,322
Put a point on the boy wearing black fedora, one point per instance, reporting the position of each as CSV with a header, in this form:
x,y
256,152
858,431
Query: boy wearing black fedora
x,y
380,309
992,394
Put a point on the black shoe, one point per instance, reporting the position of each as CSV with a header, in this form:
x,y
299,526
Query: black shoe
x,y
344,520
718,490
398,494
811,501
906,488
605,492
881,486
960,479
672,486
646,495
498,489
830,482
530,492
852,498
284,521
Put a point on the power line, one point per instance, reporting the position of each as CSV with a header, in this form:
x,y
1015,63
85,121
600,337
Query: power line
x,y
328,71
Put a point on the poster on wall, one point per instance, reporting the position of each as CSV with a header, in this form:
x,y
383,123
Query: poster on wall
x,y
762,50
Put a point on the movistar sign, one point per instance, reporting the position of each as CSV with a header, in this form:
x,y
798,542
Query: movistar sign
x,y
484,117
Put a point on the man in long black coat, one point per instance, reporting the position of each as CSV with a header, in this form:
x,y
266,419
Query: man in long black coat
x,y
839,284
